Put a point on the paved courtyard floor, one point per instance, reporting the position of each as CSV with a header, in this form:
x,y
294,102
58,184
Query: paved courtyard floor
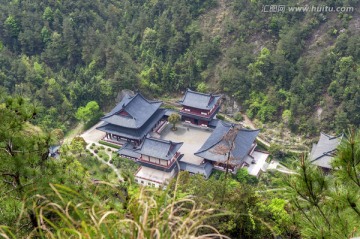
x,y
192,137
93,135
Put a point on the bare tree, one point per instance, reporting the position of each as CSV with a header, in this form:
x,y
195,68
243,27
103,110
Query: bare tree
x,y
225,147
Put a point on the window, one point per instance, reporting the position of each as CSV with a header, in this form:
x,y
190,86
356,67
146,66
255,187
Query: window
x,y
142,182
149,183
187,110
203,113
136,180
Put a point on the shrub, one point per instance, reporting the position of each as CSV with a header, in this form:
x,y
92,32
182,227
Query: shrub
x,y
93,144
109,144
109,149
238,116
104,167
243,176
220,117
276,151
96,151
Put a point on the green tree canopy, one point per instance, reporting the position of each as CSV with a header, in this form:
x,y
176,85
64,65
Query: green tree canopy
x,y
174,118
89,112
327,206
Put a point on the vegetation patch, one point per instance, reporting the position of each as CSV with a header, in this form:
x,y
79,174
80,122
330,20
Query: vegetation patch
x,y
124,163
109,144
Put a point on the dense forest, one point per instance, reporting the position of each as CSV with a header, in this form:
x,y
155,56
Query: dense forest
x,y
65,61
300,68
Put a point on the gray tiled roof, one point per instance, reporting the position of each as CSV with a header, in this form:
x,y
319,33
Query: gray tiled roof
x,y
322,152
127,150
133,133
243,143
199,100
213,123
158,148
137,108
204,169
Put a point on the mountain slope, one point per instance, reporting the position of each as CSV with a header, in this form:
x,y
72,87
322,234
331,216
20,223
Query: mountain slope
x,y
295,67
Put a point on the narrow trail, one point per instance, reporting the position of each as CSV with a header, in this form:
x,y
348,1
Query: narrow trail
x,y
109,153
275,165
214,19
92,138
74,132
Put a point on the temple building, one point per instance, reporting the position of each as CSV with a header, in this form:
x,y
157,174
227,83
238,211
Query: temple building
x,y
323,152
240,143
138,125
158,159
132,119
199,108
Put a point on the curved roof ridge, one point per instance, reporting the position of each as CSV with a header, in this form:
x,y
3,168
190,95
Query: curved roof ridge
x,y
218,141
129,114
249,130
149,101
163,140
331,137
199,100
201,93
326,146
226,124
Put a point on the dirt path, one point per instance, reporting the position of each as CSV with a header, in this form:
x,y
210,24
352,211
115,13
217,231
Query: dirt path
x,y
74,132
248,122
213,20
214,25
93,136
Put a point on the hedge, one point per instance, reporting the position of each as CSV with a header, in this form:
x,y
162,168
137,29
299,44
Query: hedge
x,y
109,144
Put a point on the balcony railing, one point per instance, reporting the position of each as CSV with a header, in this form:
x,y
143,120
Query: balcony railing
x,y
199,113
173,160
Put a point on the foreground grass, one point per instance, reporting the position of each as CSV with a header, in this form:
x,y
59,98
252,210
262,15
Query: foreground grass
x,y
131,212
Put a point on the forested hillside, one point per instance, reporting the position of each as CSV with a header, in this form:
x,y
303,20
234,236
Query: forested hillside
x,y
300,68
61,60
65,53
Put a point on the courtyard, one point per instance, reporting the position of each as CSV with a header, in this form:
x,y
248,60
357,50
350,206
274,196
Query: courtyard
x,y
193,138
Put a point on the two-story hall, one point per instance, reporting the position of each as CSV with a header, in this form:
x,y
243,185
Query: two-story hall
x,y
199,108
